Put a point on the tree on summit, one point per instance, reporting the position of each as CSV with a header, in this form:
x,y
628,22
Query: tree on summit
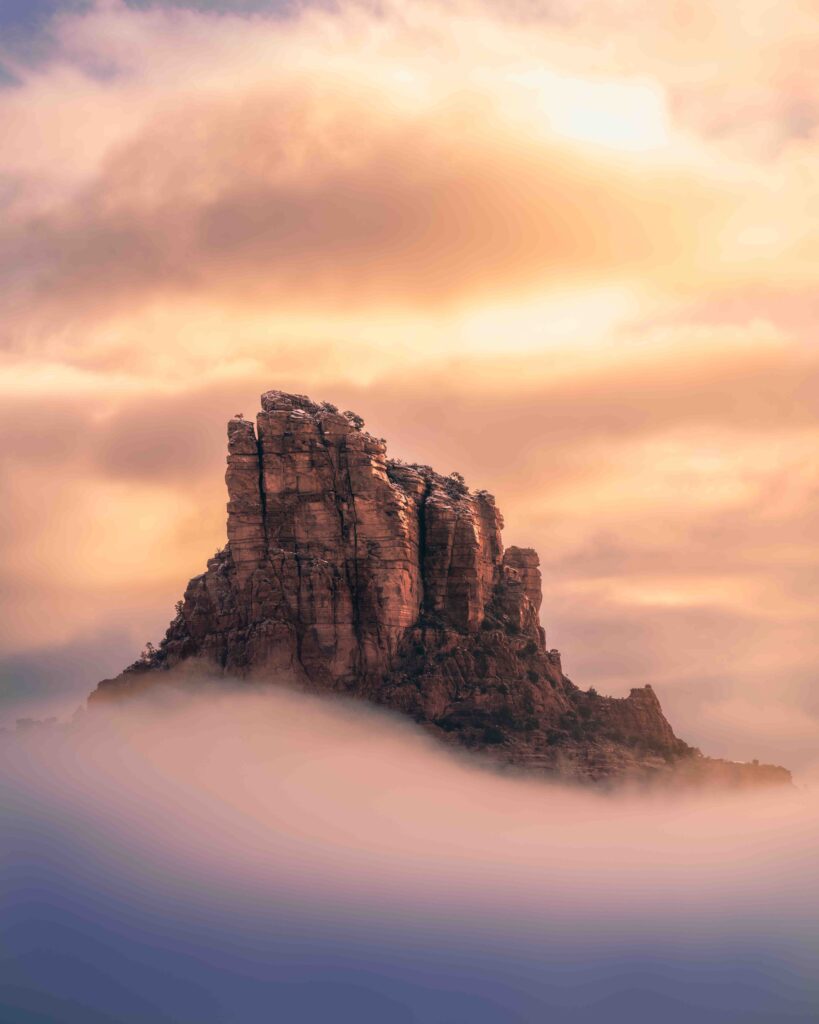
x,y
353,417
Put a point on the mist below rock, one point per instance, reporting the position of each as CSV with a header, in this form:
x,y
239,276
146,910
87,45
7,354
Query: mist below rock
x,y
274,856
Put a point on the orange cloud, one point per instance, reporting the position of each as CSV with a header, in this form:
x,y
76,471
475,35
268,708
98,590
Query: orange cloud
x,y
305,198
585,276
304,176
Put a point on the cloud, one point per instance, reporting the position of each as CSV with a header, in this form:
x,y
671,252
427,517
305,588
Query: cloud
x,y
670,492
583,275
203,855
329,213
284,181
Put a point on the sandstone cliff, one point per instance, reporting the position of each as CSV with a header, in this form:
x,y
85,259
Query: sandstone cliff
x,y
349,572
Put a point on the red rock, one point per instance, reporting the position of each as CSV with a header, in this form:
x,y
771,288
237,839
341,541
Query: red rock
x,y
349,572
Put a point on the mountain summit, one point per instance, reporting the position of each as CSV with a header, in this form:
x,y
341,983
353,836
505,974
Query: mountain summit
x,y
348,572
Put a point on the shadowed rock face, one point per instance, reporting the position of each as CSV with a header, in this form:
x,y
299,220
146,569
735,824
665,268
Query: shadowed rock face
x,y
349,572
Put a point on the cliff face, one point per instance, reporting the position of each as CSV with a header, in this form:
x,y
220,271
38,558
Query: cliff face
x,y
349,572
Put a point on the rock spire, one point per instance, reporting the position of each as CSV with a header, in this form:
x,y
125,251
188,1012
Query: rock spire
x,y
349,572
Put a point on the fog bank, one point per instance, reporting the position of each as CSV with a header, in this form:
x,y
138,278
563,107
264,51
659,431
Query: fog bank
x,y
272,856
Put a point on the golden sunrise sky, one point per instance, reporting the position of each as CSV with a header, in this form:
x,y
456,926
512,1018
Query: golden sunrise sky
x,y
569,249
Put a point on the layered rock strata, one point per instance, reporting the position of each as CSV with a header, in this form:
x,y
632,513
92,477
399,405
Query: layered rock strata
x,y
349,572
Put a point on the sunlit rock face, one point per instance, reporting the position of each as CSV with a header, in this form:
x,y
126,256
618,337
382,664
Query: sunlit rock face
x,y
349,572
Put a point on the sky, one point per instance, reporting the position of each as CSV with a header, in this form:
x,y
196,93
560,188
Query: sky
x,y
568,249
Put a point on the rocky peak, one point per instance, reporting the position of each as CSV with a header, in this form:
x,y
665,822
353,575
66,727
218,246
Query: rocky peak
x,y
346,571
375,545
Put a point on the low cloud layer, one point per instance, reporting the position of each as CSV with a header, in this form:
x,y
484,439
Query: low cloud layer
x,y
208,857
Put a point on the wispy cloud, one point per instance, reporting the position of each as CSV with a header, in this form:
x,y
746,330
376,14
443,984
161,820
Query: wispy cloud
x,y
584,275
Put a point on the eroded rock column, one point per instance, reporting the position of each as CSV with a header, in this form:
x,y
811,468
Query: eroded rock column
x,y
245,525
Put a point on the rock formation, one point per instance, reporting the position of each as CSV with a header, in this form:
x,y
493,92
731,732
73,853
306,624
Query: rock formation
x,y
349,572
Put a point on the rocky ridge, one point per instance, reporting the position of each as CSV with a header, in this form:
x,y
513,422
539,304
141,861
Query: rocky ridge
x,y
349,572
